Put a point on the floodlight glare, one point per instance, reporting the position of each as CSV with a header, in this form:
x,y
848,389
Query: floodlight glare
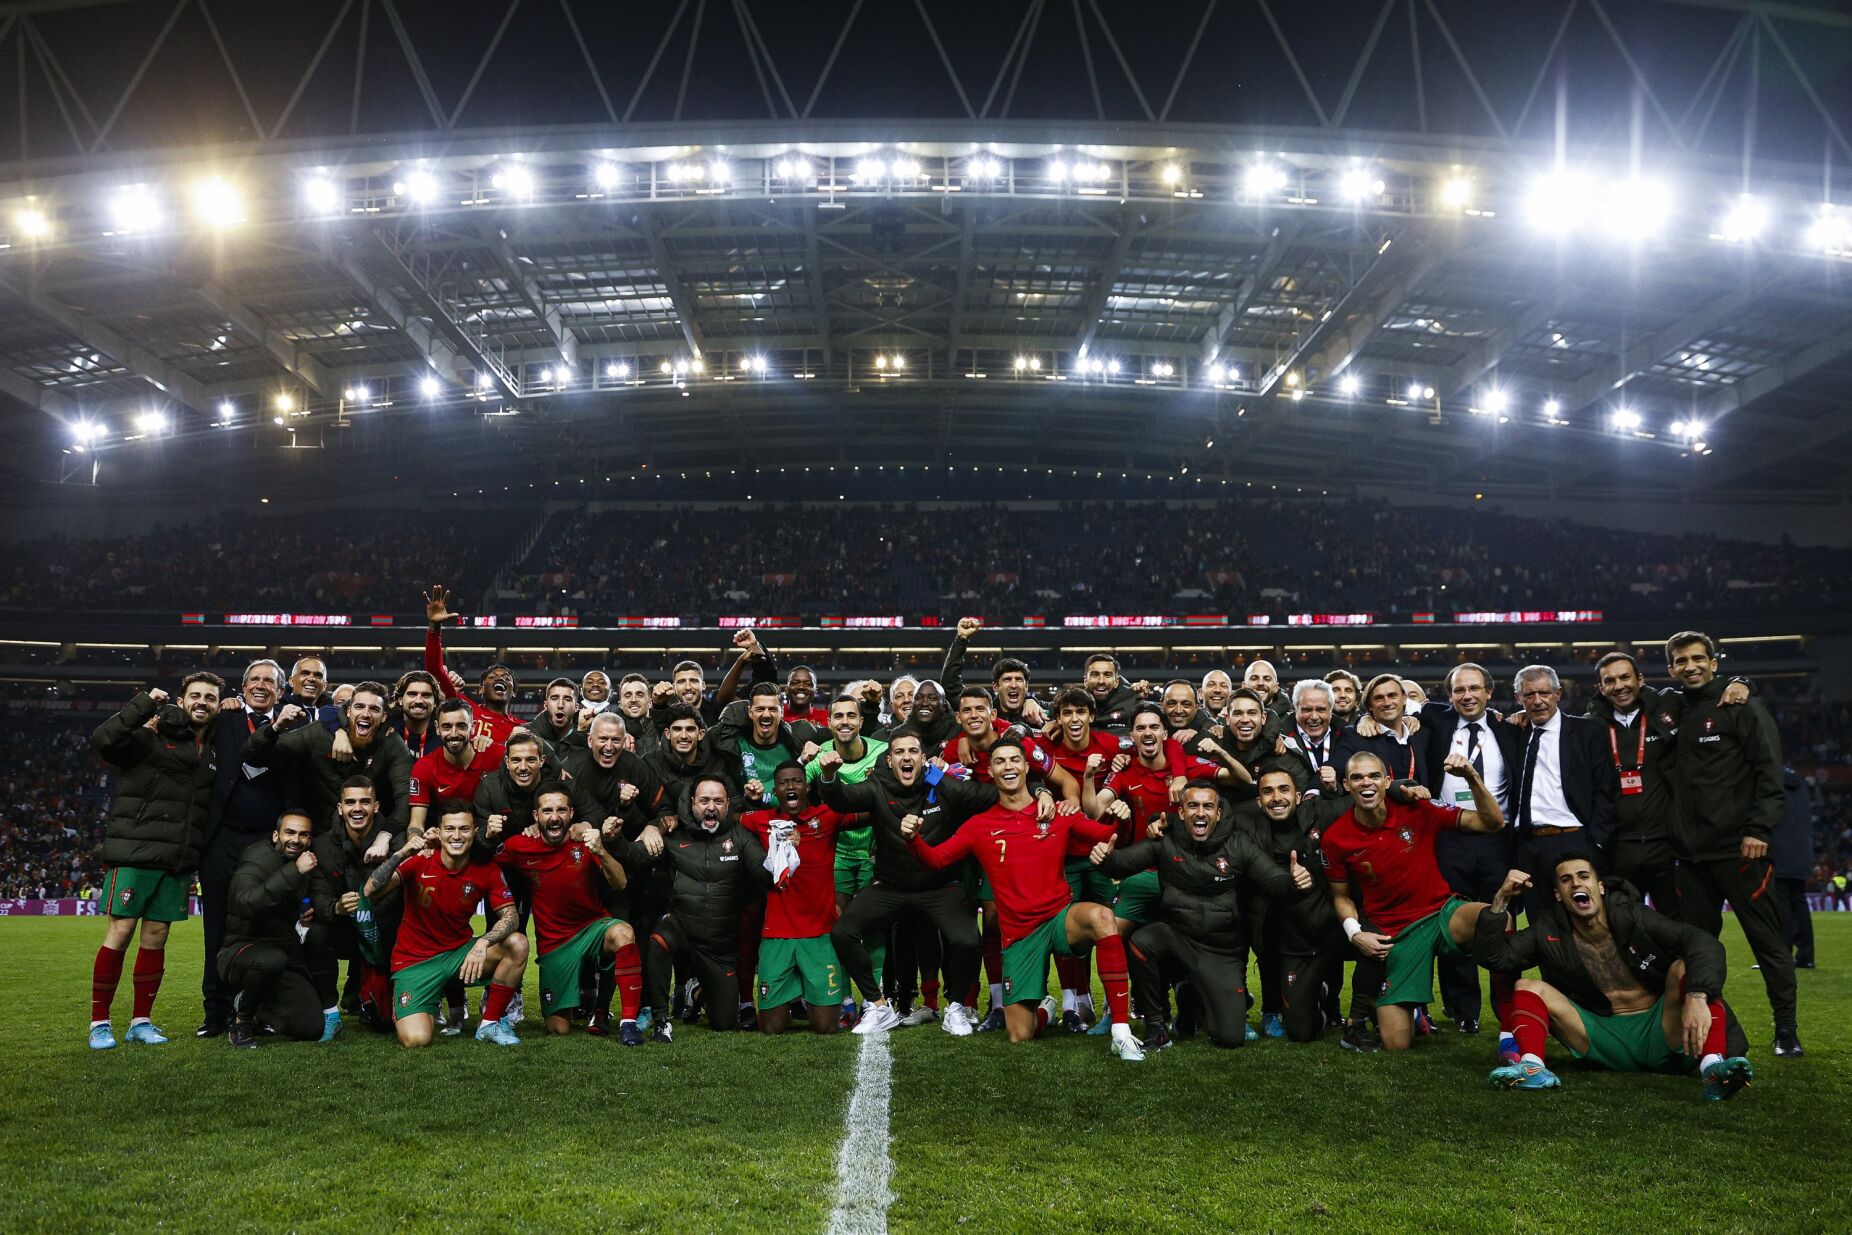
x,y
1414,390
1552,408
1112,366
905,169
1494,400
1627,420
1021,363
1057,170
33,224
1172,173
983,168
514,180
1745,221
1456,193
1360,184
1637,208
867,170
419,187
134,209
606,175
1262,179
1558,201
323,195
1218,373
151,422
430,387
1831,232
1349,384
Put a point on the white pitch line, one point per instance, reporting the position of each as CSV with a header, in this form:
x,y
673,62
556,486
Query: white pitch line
x,y
862,1164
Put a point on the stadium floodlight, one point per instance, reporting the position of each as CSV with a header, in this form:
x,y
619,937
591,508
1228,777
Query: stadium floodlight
x,y
905,169
217,202
134,208
1020,363
1627,420
1494,400
870,170
32,223
86,431
1298,394
1557,201
983,167
355,394
1637,208
1112,366
285,402
606,175
1218,373
547,376
1456,192
1744,222
484,380
1349,385
429,386
1172,174
151,422
1035,364
515,179
617,369
1162,368
1680,429
1552,409
1360,184
797,168
322,194
1057,170
228,411
1830,232
418,186
720,172
1414,391
1263,179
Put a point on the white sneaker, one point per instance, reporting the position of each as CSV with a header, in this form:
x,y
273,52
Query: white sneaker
x,y
515,1012
877,1018
957,1020
1125,1046
1051,1012
921,1015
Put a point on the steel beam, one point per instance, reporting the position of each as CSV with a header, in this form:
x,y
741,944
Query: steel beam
x,y
295,361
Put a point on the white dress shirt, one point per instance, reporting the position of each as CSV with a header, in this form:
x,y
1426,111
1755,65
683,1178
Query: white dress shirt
x,y
1454,790
1549,806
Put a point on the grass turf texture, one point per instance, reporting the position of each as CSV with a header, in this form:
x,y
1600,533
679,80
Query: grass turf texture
x,y
741,1132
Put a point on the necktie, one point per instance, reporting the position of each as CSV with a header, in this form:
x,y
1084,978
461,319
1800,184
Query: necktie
x,y
1473,754
1530,775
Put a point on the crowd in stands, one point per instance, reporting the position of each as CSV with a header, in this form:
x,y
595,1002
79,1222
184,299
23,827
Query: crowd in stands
x,y
319,561
51,819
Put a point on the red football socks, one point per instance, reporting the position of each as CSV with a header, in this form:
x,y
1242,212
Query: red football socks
x,y
105,974
628,964
1530,1022
929,993
1113,976
495,1003
1074,971
149,966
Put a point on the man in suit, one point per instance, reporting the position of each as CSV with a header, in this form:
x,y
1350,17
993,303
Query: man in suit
x,y
1564,794
1384,729
1313,737
1474,864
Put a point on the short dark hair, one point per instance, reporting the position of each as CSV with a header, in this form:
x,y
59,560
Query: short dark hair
x,y
358,781
801,669
554,785
211,679
1005,743
455,704
1243,692
1614,658
1576,855
1009,664
1210,785
761,689
788,765
682,666
414,675
520,739
568,683
451,806
975,692
1152,708
1189,686
1074,697
628,678
681,711
1099,656
371,688
1685,638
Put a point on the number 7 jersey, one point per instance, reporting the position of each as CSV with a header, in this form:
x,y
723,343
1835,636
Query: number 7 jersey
x,y
1023,856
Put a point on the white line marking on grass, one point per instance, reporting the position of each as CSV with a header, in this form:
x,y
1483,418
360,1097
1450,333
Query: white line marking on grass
x,y
862,1164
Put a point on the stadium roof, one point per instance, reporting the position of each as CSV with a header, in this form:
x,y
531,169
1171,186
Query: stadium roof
x,y
1582,247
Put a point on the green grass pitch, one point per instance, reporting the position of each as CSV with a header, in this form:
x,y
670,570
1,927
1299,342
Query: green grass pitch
x,y
741,1132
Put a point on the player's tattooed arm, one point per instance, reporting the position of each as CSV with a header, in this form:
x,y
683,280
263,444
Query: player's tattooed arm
x,y
386,874
505,923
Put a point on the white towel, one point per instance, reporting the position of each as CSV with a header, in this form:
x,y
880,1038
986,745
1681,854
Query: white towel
x,y
781,857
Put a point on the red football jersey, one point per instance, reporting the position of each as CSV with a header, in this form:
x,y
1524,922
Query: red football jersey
x,y
565,880
1040,761
497,725
435,778
1393,867
1147,790
806,906
1023,857
816,714
439,903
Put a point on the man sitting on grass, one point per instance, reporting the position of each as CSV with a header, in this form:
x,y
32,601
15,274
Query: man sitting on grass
x,y
1610,966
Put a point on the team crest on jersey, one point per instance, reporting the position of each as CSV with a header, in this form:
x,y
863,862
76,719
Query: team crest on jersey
x,y
1008,985
405,999
1041,829
1710,724
1221,865
469,889
1408,836
726,846
126,894
578,855
1666,718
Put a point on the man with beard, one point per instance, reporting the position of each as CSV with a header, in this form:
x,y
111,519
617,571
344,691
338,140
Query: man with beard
x,y
1730,799
854,861
1202,932
687,684
716,864
454,770
305,756
565,868
1346,695
495,691
796,958
1009,679
1387,847
1113,700
262,961
1474,865
1609,969
1022,856
245,804
557,726
1302,950
151,839
760,748
347,926
1264,680
1642,740
1247,720
444,884
901,885
684,755
1386,731
1562,794
414,708
633,705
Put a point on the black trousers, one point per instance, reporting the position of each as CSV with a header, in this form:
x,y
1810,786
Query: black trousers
x,y
273,987
877,907
1749,886
1474,866
1648,865
1796,918
714,963
217,864
1307,983
1159,955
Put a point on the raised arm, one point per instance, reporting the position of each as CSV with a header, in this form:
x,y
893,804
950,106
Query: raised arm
x,y
1486,815
952,672
386,876
436,613
122,740
954,848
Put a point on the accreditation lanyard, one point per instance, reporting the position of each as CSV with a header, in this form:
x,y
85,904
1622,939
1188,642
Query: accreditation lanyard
x,y
1632,780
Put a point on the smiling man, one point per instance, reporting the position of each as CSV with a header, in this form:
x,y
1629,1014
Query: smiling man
x,y
455,769
304,753
1386,848
496,690
263,962
1621,986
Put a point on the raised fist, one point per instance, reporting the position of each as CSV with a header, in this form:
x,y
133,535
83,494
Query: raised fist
x,y
968,626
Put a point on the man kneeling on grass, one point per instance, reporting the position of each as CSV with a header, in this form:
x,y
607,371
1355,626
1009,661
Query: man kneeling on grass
x,y
1610,966
443,886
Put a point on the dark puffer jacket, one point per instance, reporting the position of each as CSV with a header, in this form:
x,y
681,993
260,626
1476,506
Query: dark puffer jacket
x,y
158,816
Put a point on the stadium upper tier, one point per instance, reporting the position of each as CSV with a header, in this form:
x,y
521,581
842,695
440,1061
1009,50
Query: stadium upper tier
x,y
603,564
